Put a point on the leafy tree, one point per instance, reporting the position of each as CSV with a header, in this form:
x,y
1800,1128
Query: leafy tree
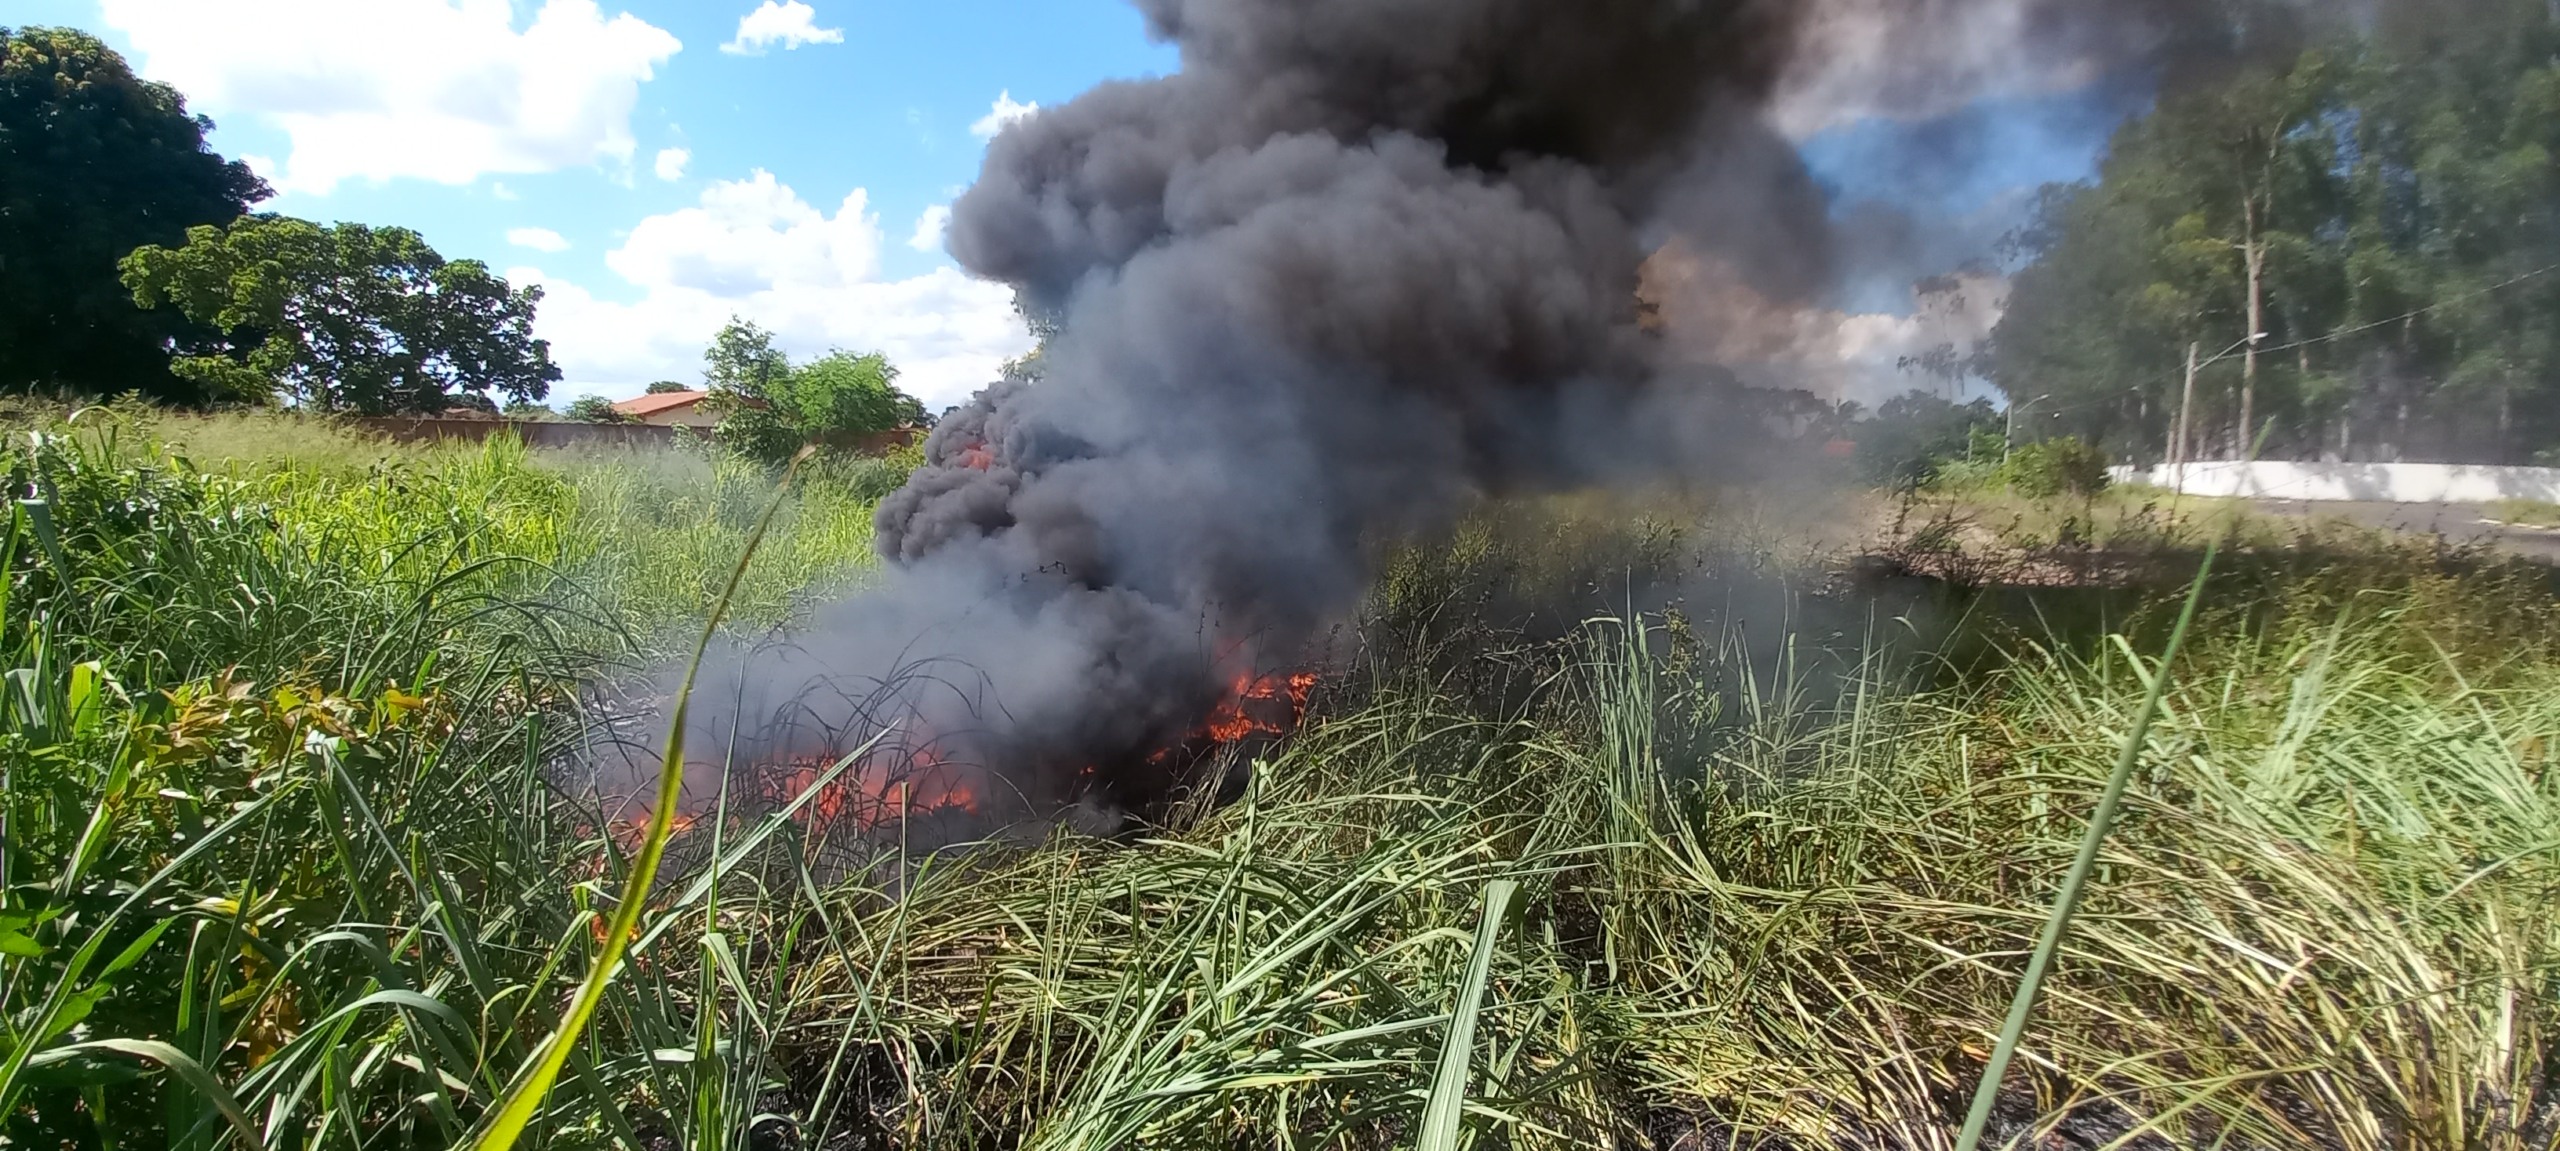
x,y
770,408
1914,435
742,360
1044,324
664,387
2384,204
346,317
95,162
595,410
528,410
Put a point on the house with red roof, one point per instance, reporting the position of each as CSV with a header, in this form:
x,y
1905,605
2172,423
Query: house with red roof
x,y
670,410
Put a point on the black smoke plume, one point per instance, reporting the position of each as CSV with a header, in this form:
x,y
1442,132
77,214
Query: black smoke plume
x,y
1358,264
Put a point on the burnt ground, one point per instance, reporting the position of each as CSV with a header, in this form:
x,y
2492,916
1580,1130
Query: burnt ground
x,y
2458,524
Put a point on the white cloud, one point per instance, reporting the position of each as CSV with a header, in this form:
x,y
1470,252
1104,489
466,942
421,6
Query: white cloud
x,y
442,90
538,239
929,228
790,24
671,162
754,248
1006,111
749,234
500,191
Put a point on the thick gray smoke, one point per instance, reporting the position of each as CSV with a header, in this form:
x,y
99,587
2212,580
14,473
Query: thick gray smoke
x,y
1359,263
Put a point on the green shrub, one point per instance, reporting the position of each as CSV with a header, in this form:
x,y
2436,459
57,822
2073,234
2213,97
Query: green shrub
x,y
595,410
2056,468
873,479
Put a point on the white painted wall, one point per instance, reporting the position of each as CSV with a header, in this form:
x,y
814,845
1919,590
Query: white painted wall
x,y
2381,483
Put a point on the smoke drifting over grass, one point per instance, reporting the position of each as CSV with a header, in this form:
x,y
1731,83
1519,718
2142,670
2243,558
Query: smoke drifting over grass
x,y
1358,264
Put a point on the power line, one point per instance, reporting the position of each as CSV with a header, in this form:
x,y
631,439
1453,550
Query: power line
x,y
2343,333
2439,305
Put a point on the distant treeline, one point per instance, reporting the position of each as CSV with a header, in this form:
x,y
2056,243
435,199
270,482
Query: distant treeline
x,y
2380,201
131,263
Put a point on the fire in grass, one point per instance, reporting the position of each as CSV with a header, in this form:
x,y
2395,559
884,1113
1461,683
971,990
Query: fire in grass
x,y
886,791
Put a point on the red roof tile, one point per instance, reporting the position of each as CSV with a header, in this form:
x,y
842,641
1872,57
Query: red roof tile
x,y
661,402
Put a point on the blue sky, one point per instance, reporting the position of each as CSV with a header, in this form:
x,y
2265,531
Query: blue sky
x,y
659,165
472,126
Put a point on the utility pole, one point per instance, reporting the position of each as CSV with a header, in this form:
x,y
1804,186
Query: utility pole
x,y
2186,410
2257,260
2182,451
2009,442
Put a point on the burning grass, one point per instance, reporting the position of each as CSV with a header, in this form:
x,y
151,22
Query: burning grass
x,y
1780,847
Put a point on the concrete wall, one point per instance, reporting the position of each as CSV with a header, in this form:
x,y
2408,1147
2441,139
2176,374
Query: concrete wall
x,y
561,434
2379,483
540,434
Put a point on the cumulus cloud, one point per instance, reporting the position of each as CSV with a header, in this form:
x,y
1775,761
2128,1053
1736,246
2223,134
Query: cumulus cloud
x,y
442,90
790,24
749,234
754,248
538,239
1006,111
671,162
929,228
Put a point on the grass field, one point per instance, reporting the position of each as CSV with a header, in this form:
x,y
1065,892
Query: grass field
x,y
285,862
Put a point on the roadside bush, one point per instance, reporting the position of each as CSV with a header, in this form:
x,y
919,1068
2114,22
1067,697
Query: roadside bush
x,y
2055,468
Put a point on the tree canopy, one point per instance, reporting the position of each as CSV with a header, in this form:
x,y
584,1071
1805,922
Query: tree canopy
x,y
2384,206
595,410
1912,435
95,162
345,317
771,407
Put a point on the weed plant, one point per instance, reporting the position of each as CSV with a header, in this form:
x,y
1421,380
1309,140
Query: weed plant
x,y
285,865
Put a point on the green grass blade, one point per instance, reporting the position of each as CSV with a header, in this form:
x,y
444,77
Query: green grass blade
x,y
506,1124
68,981
176,1062
2075,884
1443,1113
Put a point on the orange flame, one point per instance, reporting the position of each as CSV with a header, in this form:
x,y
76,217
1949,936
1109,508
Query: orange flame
x,y
891,786
1236,719
977,456
877,792
633,831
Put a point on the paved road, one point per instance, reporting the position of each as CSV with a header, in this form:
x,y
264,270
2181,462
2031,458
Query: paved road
x,y
2457,523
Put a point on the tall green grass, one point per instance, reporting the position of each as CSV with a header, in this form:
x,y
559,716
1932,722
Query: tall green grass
x,y
283,852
